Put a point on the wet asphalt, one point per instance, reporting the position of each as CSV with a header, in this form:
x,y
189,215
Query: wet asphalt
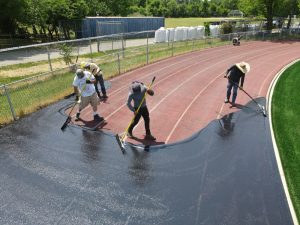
x,y
224,174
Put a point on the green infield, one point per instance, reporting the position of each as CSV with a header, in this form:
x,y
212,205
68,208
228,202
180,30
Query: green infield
x,y
286,125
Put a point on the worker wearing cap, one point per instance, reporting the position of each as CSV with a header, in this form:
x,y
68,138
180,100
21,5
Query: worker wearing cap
x,y
83,84
96,71
136,94
236,77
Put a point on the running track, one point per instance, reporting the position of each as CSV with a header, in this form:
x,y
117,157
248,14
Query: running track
x,y
190,89
224,172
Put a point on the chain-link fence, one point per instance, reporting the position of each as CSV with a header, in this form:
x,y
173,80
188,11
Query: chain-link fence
x,y
48,69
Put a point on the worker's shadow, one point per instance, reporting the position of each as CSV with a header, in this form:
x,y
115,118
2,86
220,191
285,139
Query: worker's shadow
x,y
226,125
236,105
93,124
147,142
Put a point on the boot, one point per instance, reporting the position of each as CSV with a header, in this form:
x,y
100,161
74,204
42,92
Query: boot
x,y
77,116
150,137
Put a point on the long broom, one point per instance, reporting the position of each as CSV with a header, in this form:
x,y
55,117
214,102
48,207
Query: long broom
x,y
261,107
120,139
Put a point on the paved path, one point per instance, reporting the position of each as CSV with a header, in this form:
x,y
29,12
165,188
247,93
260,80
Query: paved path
x,y
39,54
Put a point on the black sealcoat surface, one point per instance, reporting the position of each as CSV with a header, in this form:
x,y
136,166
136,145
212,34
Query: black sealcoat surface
x,y
225,174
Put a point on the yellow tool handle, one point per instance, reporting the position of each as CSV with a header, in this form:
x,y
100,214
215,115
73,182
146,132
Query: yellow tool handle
x,y
136,112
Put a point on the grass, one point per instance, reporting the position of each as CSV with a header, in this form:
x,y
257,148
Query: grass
x,y
20,71
6,80
286,120
29,97
187,22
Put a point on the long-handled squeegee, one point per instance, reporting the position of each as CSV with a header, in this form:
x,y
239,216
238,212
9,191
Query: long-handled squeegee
x,y
261,107
68,120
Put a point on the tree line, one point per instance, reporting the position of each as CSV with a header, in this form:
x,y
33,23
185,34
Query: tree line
x,y
44,16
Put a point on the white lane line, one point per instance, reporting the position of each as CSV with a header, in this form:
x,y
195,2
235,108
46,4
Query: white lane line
x,y
192,102
250,58
154,72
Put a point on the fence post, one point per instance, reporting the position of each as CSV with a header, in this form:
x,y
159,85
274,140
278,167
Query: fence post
x,y
147,49
91,52
122,37
77,54
10,103
172,48
98,45
119,64
193,45
49,59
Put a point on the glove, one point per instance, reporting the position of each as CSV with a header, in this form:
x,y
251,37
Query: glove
x,y
77,98
150,92
88,82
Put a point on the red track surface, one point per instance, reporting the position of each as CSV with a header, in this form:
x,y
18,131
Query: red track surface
x,y
190,89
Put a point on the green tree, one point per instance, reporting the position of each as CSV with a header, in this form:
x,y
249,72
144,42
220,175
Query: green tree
x,y
251,7
205,9
230,4
11,11
267,8
155,7
120,7
193,9
66,11
98,8
182,10
288,8
36,14
172,8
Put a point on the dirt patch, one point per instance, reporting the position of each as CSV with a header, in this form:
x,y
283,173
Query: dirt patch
x,y
42,68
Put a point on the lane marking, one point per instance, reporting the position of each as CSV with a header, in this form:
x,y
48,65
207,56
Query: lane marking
x,y
176,63
269,73
192,102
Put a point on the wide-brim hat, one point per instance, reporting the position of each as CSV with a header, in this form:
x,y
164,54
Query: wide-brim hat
x,y
243,66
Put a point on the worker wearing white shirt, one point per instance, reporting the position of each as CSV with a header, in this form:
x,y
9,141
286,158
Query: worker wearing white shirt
x,y
84,87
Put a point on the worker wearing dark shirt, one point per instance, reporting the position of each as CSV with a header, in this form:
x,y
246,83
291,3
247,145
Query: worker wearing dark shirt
x,y
136,94
236,77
